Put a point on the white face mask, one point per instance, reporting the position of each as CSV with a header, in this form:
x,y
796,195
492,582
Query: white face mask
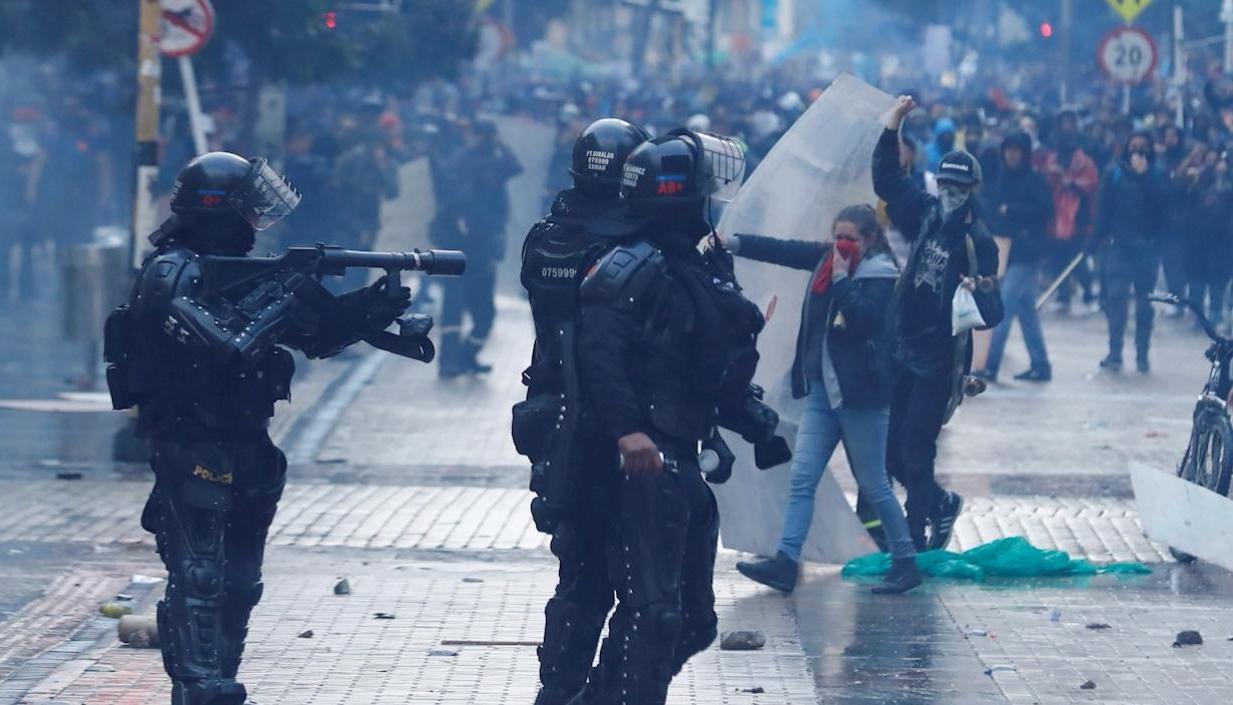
x,y
952,197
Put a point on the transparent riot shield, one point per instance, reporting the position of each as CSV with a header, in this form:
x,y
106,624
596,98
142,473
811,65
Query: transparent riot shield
x,y
821,165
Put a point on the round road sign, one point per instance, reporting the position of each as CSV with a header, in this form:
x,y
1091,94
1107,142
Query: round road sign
x,y
186,26
1128,55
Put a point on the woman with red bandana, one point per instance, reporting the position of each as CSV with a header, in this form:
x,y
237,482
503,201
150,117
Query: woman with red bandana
x,y
845,389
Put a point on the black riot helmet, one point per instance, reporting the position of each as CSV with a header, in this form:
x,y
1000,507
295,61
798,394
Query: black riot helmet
x,y
600,152
221,183
682,170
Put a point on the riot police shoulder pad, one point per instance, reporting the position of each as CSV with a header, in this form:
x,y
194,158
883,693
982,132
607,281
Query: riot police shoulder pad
x,y
162,278
623,274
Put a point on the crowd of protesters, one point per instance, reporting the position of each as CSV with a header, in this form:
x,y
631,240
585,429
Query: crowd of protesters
x,y
1143,195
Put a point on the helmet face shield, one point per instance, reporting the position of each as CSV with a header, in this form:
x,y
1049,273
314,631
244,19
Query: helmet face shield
x,y
265,197
722,166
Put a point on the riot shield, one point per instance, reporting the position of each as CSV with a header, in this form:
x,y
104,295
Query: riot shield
x,y
821,165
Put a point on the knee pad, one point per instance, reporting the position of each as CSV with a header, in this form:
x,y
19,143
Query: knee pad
x,y
204,578
659,623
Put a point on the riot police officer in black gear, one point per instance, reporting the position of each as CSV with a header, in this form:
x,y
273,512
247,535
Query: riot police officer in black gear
x,y
205,372
572,465
665,353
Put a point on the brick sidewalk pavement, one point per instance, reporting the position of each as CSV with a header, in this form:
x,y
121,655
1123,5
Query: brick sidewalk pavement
x,y
463,632
461,518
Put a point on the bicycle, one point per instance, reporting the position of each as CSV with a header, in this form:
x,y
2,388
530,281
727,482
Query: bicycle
x,y
1208,460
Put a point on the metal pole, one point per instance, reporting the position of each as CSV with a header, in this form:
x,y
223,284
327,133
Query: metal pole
x,y
149,76
1068,19
196,119
711,29
1226,16
1126,98
641,31
1179,62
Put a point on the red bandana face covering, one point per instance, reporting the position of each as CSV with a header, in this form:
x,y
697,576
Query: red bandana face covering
x,y
850,250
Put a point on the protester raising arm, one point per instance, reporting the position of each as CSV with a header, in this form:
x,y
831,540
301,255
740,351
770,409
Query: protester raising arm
x,y
906,201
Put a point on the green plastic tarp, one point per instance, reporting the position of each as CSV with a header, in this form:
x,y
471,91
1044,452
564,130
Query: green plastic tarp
x,y
1011,557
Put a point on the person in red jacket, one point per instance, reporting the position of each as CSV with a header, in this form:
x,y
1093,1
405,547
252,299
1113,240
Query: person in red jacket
x,y
1074,181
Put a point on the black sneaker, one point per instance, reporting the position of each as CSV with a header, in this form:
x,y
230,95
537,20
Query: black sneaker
x,y
943,519
779,572
1112,364
903,576
1035,374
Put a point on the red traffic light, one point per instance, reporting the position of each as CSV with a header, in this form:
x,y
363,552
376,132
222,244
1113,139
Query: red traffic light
x,y
1046,30
331,19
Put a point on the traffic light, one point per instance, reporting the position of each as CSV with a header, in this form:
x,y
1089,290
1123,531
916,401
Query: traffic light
x,y
1046,30
331,19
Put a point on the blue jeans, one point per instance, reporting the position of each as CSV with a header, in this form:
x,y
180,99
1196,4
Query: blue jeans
x,y
863,432
1019,291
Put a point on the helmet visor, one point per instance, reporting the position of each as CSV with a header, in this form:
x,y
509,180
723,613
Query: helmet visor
x,y
265,197
723,166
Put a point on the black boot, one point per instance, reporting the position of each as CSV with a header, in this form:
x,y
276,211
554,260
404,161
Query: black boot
x,y
1143,363
779,572
219,692
1112,363
903,576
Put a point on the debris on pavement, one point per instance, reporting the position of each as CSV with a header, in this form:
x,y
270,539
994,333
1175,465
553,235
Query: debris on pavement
x,y
138,631
1000,668
68,476
976,632
1055,615
1088,685
469,579
1188,637
755,690
122,597
1010,557
140,579
443,652
383,615
305,635
342,587
742,641
1097,626
114,610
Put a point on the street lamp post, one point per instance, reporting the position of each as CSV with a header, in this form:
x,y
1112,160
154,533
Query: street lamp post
x,y
1226,16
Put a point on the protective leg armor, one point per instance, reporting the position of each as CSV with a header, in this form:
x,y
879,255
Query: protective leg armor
x,y
211,510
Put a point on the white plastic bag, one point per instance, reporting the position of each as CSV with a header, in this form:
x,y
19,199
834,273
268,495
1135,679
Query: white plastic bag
x,y
964,313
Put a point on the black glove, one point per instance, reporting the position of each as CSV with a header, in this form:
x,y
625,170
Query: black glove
x,y
372,308
772,453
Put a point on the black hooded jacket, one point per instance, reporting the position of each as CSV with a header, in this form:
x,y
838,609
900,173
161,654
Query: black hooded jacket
x,y
919,324
1019,205
1133,208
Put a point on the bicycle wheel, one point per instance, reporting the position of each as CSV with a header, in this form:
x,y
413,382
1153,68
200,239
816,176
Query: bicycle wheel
x,y
1209,458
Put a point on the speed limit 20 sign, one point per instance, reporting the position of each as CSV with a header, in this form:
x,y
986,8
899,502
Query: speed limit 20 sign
x,y
1128,55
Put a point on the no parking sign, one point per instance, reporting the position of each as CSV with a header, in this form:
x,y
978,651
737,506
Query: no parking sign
x,y
186,26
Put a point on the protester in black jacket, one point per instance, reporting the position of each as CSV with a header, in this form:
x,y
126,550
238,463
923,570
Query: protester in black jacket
x,y
1020,207
1131,218
930,364
836,371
